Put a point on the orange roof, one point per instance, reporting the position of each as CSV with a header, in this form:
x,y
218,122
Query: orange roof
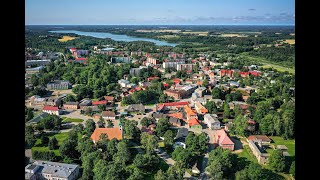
x,y
109,98
189,111
193,122
223,138
176,115
201,107
111,133
199,82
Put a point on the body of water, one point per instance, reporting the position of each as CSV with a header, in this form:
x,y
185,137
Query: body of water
x,y
115,37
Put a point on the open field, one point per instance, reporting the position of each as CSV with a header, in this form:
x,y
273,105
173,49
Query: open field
x,y
200,33
158,30
246,153
232,35
66,38
290,41
168,36
60,138
289,143
72,120
268,64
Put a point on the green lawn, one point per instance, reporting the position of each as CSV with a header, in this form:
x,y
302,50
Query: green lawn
x,y
72,120
268,64
161,144
60,138
289,143
246,153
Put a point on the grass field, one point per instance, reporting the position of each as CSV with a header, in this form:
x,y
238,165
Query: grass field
x,y
60,138
246,153
268,64
72,120
290,41
289,143
199,33
66,38
168,36
233,35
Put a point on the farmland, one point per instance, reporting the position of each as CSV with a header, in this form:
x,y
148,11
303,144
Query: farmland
x,y
66,38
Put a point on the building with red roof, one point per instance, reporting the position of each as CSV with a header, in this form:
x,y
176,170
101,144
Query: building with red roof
x,y
262,138
194,124
176,94
103,102
221,138
152,78
244,74
255,73
176,80
51,110
111,133
226,72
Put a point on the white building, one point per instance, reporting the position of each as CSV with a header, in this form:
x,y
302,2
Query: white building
x,y
51,171
187,67
136,71
172,64
51,110
212,121
123,83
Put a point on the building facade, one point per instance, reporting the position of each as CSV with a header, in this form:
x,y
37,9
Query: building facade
x,y
58,84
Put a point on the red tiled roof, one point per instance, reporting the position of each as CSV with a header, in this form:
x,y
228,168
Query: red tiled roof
x,y
193,60
165,85
111,133
176,80
99,102
222,137
262,137
73,49
176,115
50,108
108,114
160,107
193,122
109,98
152,78
176,103
137,88
189,111
250,121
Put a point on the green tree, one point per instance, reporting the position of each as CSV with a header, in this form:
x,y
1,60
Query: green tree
x,y
88,162
240,126
112,147
160,175
149,142
293,169
215,170
100,169
102,107
288,118
168,138
123,154
44,140
136,175
276,161
53,143
70,98
162,126
205,83
253,171
262,110
217,93
226,111
146,121
110,124
90,126
101,123
211,106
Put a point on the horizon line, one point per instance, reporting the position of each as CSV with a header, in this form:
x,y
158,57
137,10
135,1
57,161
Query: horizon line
x,y
159,24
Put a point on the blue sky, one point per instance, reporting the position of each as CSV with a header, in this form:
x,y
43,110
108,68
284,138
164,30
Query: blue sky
x,y
167,12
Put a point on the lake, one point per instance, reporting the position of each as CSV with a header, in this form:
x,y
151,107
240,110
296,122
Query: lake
x,y
115,37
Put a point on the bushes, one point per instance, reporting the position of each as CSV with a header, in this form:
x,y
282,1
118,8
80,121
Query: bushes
x,y
44,155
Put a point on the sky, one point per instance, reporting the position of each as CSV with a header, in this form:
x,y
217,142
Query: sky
x,y
159,12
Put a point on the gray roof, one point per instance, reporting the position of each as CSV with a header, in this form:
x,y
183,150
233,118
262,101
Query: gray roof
x,y
174,120
136,107
71,103
38,118
182,133
282,147
60,170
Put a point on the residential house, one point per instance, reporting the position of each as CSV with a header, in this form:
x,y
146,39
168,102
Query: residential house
x,y
108,115
123,83
94,109
200,108
176,80
222,139
102,102
85,102
175,121
212,121
71,105
189,89
152,60
51,170
109,99
54,101
263,138
232,104
201,91
257,151
218,102
194,124
175,94
136,108
152,78
180,138
234,83
171,105
52,110
225,72
157,116
38,101
59,84
111,133
190,114
147,130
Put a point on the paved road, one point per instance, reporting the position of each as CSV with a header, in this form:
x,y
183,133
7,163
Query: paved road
x,y
166,157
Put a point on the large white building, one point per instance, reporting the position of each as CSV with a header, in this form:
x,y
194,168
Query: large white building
x,y
172,64
51,171
136,71
187,67
212,121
